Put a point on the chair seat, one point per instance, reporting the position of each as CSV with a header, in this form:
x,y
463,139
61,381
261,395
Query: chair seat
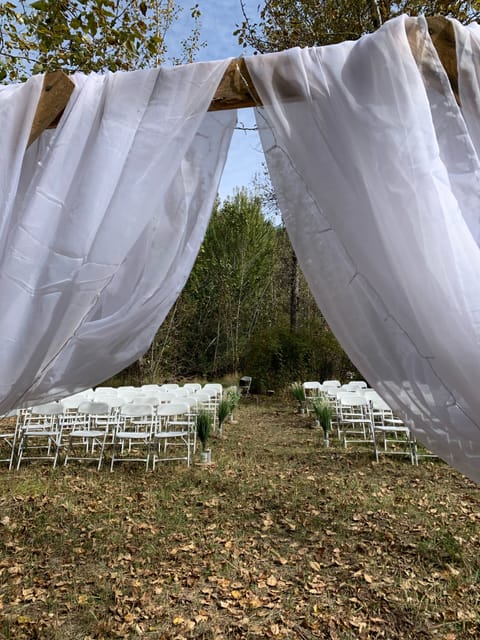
x,y
85,433
170,434
132,435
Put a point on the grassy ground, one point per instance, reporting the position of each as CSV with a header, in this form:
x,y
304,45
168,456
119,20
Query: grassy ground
x,y
281,539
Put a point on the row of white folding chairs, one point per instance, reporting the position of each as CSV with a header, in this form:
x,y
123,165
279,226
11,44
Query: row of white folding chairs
x,y
362,416
46,431
314,388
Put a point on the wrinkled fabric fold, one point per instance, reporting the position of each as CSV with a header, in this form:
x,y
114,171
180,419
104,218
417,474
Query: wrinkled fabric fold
x,y
376,171
104,219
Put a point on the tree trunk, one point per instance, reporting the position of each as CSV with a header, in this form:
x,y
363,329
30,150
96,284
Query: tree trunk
x,y
294,284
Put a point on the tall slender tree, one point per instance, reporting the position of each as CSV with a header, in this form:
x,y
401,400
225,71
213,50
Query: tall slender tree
x,y
230,292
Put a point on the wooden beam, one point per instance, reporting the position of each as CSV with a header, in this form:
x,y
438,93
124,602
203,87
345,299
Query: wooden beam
x,y
236,90
443,38
56,91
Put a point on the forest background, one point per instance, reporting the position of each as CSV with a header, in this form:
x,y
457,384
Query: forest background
x,y
246,308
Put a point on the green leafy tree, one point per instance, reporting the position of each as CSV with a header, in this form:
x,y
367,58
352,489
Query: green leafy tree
x,y
232,281
231,291
88,35
284,24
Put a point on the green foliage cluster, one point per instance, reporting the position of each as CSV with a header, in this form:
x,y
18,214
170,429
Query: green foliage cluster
x,y
285,24
275,356
234,313
88,35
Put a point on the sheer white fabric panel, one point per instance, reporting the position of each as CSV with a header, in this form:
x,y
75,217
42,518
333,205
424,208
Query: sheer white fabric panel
x,y
377,176
109,216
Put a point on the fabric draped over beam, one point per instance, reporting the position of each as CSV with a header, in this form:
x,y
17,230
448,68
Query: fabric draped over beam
x,y
101,221
377,174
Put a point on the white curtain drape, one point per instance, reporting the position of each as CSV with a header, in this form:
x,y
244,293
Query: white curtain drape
x,y
101,221
377,173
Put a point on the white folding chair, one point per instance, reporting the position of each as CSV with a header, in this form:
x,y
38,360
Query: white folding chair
x,y
8,436
88,435
133,434
150,389
206,400
355,419
332,383
174,429
390,435
193,386
164,397
40,433
313,391
169,386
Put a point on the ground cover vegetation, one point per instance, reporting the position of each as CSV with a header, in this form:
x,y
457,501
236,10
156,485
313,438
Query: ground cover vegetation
x,y
282,538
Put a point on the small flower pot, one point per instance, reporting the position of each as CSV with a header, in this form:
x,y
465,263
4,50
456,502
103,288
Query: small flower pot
x,y
206,456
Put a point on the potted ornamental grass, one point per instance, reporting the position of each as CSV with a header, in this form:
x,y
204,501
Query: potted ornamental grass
x,y
298,393
232,396
323,414
223,411
204,428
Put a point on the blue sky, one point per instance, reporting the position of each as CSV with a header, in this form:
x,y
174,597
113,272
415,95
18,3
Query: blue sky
x,y
219,20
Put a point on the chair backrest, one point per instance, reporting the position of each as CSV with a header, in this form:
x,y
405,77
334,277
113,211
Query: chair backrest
x,y
150,388
191,402
354,405
355,385
205,397
147,400
215,387
194,386
331,383
173,409
351,399
244,383
165,397
72,402
94,408
312,389
49,409
136,410
169,386
182,392
108,391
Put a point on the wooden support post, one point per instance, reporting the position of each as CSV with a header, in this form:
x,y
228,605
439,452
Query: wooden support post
x,y
236,90
56,91
443,38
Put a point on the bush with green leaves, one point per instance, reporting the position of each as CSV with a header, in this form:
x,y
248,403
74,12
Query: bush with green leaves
x,y
276,356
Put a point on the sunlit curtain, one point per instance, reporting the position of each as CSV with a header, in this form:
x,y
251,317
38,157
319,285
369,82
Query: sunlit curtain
x,y
101,221
378,178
